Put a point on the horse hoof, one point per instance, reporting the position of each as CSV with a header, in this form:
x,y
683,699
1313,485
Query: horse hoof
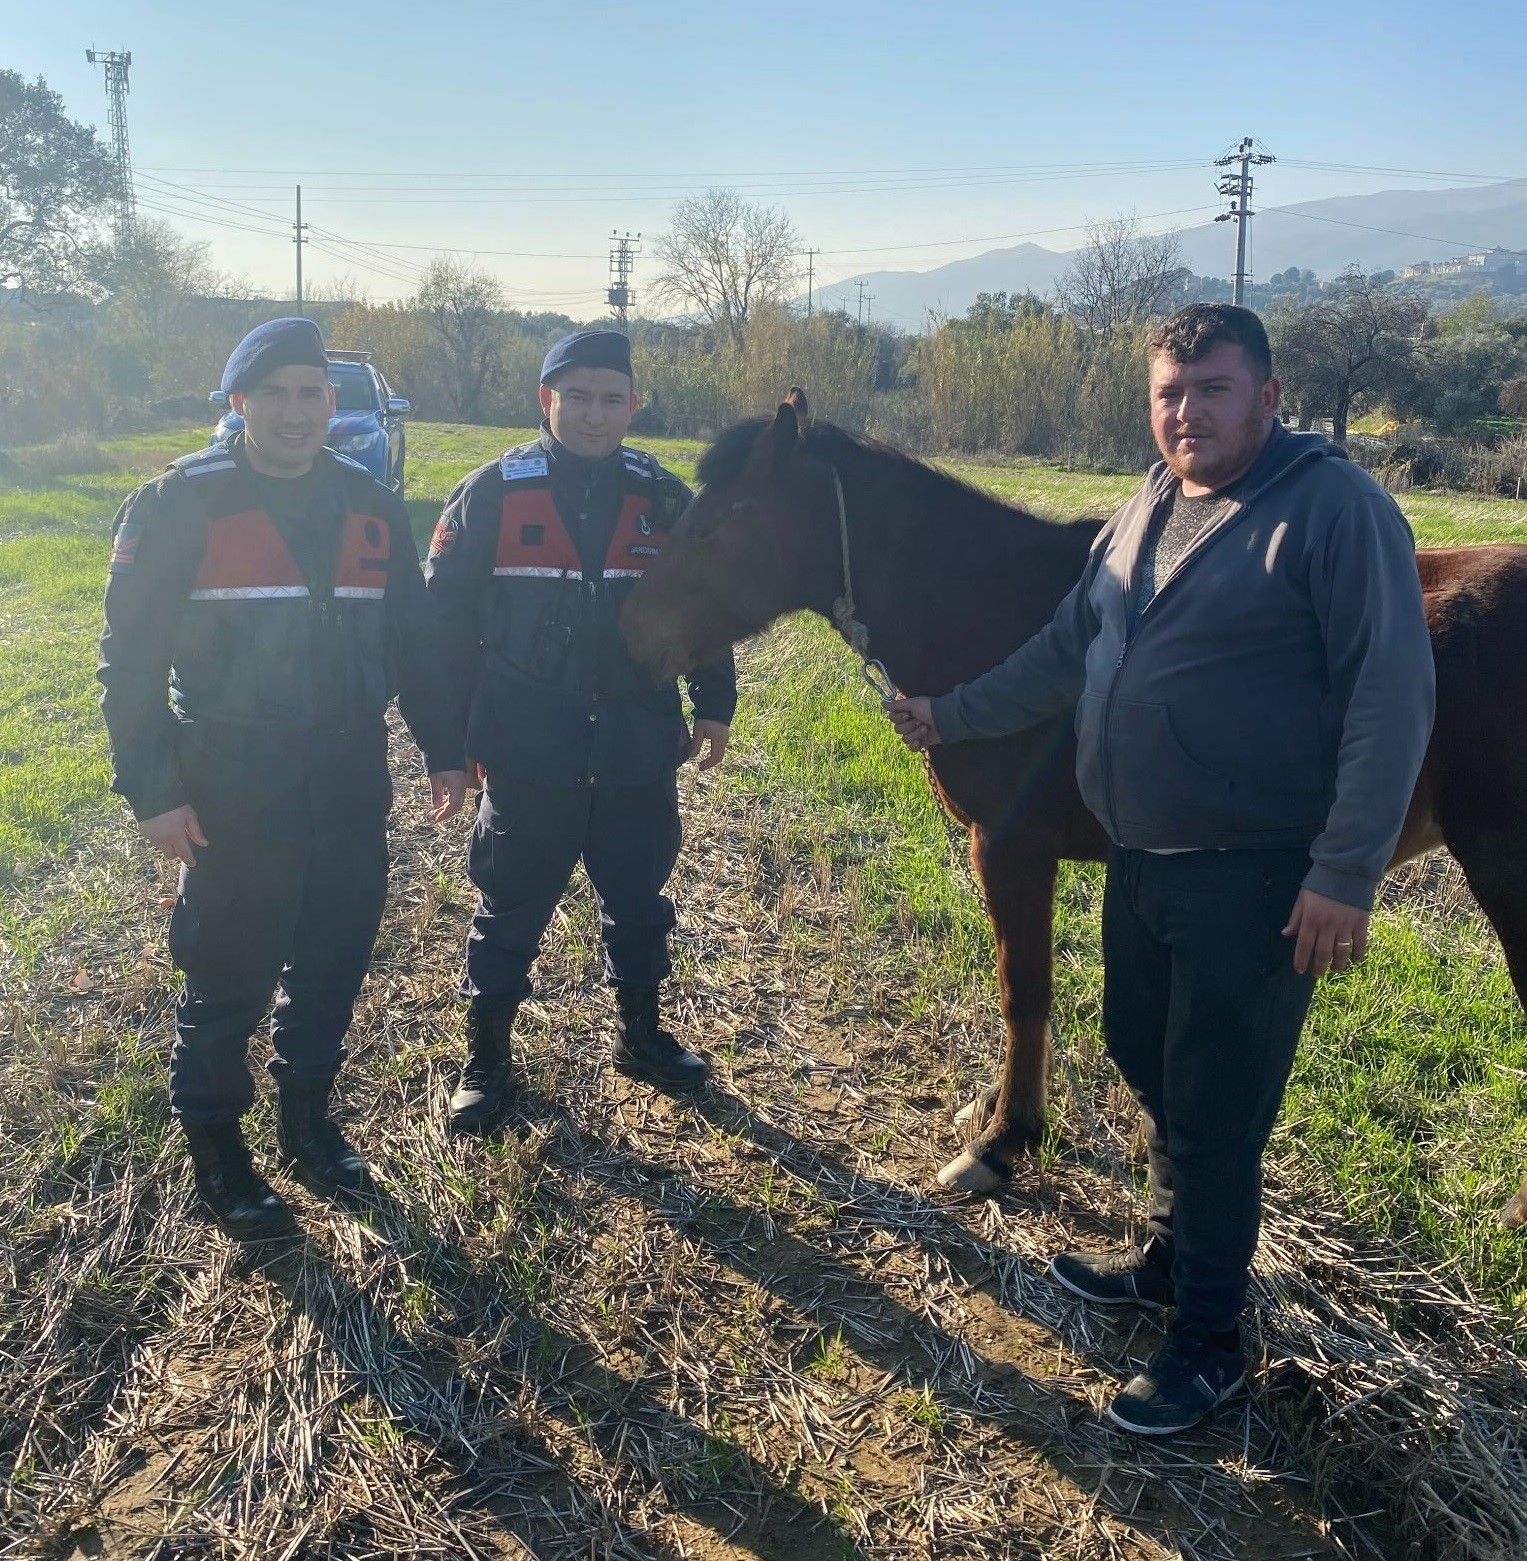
x,y
976,1114
969,1172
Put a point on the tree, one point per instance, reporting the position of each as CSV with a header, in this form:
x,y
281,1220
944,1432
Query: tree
x,y
462,309
1513,398
1001,311
726,259
1351,349
1123,276
56,182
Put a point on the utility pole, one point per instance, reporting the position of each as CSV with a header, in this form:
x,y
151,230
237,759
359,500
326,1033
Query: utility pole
x,y
299,227
114,65
811,255
1237,188
861,285
621,296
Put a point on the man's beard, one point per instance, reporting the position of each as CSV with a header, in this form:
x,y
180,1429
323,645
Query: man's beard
x,y
1234,460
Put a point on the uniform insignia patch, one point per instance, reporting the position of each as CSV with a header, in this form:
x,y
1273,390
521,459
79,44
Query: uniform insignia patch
x,y
644,525
515,467
444,538
645,552
124,548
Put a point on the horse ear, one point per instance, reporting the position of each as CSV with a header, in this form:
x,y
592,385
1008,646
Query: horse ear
x,y
779,438
797,399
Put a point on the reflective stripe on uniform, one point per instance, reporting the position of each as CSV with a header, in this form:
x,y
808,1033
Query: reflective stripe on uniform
x,y
230,593
534,572
363,593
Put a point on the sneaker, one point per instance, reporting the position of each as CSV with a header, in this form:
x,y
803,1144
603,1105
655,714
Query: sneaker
x,y
1134,1276
1193,1373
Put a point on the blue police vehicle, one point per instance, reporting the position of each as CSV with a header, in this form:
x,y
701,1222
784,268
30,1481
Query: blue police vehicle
x,y
367,424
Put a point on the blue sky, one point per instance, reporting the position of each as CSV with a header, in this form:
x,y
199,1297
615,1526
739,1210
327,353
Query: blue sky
x,y
884,130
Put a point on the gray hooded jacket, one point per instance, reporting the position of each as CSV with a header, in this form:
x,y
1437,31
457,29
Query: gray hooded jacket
x,y
1277,690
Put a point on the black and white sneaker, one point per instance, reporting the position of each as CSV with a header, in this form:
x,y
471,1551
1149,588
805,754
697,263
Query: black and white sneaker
x,y
1133,1276
1193,1373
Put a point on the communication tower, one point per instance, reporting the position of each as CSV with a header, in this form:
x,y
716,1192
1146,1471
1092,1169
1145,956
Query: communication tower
x,y
115,65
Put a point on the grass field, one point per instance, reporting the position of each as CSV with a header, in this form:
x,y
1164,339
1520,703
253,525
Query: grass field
x,y
746,1326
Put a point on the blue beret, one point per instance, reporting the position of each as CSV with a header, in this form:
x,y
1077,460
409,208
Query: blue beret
x,y
273,346
589,350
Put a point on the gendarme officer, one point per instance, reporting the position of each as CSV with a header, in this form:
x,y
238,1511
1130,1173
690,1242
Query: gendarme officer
x,y
529,567
273,588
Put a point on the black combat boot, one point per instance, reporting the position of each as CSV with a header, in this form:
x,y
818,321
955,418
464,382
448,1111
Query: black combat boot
x,y
645,1050
487,1080
243,1203
311,1147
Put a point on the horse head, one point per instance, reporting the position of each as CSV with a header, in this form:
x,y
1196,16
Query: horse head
x,y
759,541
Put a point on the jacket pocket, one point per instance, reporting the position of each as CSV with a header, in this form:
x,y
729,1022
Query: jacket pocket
x,y
1158,786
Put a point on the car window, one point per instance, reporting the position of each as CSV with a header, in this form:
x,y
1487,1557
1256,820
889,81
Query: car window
x,y
354,390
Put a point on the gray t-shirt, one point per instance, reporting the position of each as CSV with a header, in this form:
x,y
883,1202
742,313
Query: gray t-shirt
x,y
1174,530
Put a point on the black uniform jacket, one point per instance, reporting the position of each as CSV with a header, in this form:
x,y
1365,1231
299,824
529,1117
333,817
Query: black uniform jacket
x,y
528,570
280,634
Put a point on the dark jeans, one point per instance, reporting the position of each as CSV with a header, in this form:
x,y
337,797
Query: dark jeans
x,y
1202,1011
260,912
526,844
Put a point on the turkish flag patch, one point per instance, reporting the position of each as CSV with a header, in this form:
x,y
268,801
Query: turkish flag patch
x,y
444,538
124,547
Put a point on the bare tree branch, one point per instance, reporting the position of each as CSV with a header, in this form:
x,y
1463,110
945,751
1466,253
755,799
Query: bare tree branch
x,y
1122,276
725,259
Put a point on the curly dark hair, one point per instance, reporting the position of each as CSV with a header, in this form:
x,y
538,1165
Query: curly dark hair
x,y
1195,332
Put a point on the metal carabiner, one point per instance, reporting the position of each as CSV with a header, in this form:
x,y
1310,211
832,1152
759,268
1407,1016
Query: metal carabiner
x,y
874,673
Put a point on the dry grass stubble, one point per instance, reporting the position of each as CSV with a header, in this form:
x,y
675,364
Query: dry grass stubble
x,y
735,1326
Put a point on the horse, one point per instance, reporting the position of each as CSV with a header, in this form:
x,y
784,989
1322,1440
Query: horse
x,y
938,581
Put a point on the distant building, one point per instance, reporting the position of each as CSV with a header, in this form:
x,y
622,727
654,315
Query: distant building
x,y
1498,259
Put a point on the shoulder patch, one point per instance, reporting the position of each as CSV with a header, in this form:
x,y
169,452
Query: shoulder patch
x,y
447,531
124,547
202,463
514,466
639,462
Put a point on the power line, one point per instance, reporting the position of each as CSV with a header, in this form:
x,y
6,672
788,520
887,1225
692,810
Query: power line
x,y
997,238
1342,222
626,179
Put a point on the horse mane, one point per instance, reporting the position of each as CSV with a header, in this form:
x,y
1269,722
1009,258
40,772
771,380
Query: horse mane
x,y
883,475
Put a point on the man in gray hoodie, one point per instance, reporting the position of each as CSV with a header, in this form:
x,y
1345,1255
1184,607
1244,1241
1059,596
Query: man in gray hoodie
x,y
1249,661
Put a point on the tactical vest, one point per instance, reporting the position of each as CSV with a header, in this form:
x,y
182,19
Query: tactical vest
x,y
559,699
255,643
548,621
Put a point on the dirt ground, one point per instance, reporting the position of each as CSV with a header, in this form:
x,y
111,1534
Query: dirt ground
x,y
740,1325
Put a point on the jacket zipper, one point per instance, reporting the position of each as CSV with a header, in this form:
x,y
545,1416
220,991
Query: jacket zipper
x,y
1200,546
1131,635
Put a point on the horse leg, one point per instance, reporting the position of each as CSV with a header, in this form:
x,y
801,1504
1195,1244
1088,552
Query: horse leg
x,y
1495,864
1020,895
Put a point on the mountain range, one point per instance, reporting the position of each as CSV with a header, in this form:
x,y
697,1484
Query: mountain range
x,y
1384,231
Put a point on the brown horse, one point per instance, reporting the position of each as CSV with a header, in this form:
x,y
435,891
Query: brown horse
x,y
948,581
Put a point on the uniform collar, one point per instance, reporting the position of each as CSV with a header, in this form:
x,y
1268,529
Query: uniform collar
x,y
579,468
